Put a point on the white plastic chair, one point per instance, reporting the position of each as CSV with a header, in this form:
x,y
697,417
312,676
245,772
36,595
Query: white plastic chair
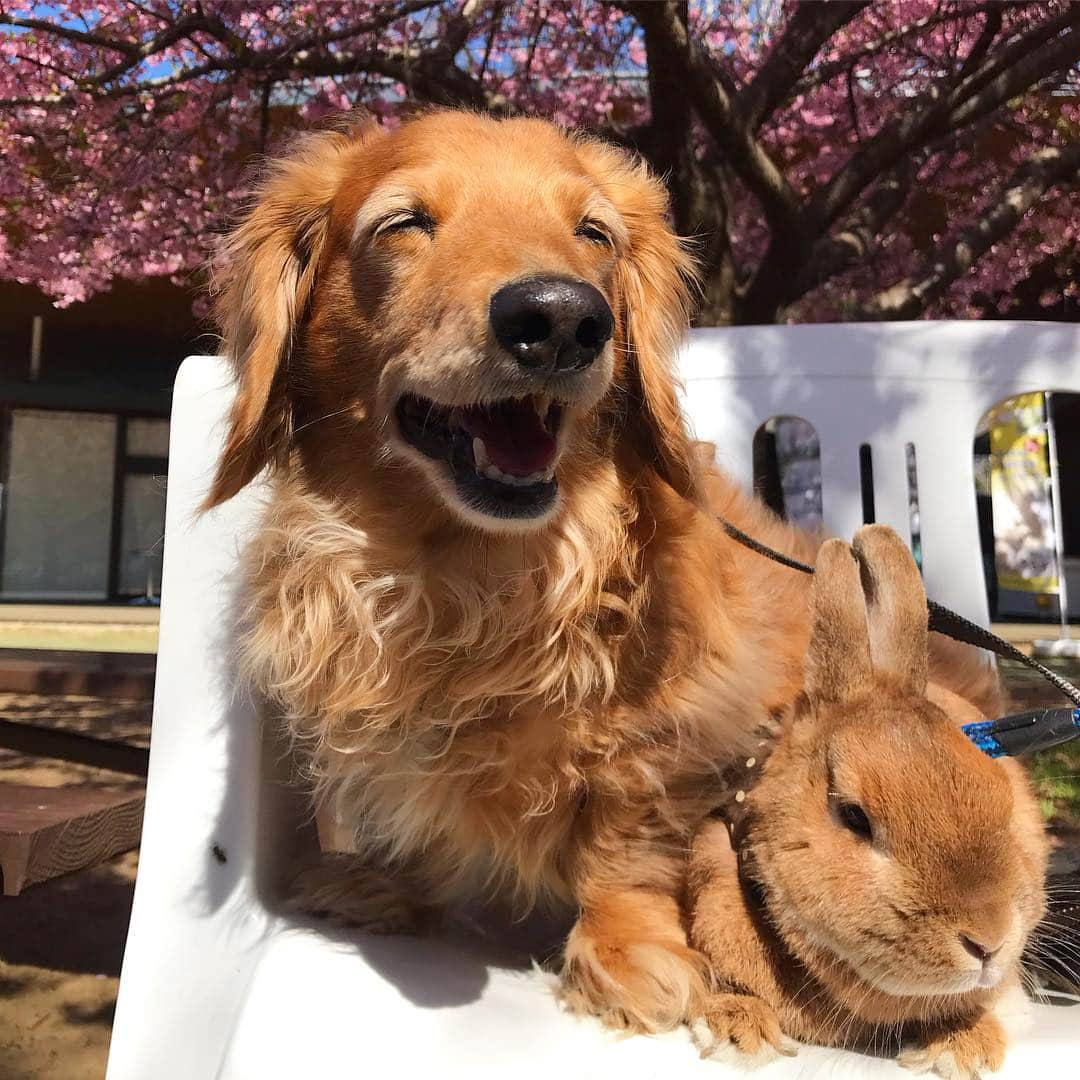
x,y
218,984
886,385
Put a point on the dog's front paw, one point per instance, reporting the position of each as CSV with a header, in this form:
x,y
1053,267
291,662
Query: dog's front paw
x,y
961,1055
740,1030
627,962
345,891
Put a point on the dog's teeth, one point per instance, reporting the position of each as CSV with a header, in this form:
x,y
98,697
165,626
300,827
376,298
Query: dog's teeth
x,y
480,454
542,403
493,472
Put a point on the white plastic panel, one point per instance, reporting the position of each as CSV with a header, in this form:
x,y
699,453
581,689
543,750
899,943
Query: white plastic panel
x,y
217,985
888,384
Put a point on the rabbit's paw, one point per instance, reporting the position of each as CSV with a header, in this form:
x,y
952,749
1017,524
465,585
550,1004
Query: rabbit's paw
x,y
740,1030
961,1055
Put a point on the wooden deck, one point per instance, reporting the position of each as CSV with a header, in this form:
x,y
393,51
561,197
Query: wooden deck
x,y
74,748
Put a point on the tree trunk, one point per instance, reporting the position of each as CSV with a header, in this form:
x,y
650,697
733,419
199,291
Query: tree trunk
x,y
717,307
698,189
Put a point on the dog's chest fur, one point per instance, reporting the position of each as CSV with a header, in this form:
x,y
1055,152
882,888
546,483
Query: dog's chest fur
x,y
474,716
498,809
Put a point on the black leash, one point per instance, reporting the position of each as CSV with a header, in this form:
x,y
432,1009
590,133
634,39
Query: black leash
x,y
1017,734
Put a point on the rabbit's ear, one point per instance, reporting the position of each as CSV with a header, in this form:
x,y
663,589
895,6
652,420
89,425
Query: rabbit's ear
x,y
838,660
895,606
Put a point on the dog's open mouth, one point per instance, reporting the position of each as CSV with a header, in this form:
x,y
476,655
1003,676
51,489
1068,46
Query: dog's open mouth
x,y
502,455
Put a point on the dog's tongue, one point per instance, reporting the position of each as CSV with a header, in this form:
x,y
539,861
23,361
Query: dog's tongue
x,y
514,436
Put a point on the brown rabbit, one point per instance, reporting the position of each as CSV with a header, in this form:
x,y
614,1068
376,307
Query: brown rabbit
x,y
882,874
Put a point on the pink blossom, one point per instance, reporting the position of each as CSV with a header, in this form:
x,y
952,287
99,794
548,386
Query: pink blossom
x,y
131,175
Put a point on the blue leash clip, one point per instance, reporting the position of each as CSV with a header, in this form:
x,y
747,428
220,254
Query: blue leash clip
x,y
1025,733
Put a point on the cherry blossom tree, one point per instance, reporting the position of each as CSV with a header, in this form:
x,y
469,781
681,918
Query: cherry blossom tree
x,y
833,160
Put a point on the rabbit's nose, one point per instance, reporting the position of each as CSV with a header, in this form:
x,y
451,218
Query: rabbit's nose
x,y
981,950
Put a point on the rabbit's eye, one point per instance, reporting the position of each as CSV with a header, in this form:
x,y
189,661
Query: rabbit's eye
x,y
853,818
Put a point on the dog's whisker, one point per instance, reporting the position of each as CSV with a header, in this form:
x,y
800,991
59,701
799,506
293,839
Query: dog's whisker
x,y
320,419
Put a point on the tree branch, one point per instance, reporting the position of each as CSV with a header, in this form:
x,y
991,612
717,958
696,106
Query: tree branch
x,y
672,46
461,27
853,242
184,27
239,58
496,19
806,32
69,33
1045,63
829,70
991,29
387,14
940,109
437,78
956,255
699,201
264,114
1020,47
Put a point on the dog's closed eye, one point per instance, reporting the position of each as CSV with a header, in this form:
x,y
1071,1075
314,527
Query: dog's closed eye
x,y
403,221
594,231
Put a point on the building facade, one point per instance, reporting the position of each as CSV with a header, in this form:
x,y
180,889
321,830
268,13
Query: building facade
x,y
85,394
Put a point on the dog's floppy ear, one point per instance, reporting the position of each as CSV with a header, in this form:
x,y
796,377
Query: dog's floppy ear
x,y
655,279
263,278
654,285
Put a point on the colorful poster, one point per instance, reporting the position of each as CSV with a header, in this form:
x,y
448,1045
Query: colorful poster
x,y
1024,542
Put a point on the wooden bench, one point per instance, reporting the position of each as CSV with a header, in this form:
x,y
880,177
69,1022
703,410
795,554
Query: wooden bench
x,y
95,674
48,830
45,832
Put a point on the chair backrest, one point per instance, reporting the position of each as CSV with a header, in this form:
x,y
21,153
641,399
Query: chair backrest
x,y
884,385
218,982
198,910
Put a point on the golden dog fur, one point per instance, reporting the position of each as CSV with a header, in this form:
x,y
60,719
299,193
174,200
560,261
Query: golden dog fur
x,y
536,711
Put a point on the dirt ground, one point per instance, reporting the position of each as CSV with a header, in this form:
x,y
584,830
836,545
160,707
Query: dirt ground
x,y
61,943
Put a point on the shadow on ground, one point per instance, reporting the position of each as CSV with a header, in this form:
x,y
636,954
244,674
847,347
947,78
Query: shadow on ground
x,y
61,944
75,923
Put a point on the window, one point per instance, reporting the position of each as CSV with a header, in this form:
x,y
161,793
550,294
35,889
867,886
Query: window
x,y
58,505
83,510
1027,466
787,469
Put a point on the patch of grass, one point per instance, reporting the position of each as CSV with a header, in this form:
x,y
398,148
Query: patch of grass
x,y
92,637
1056,775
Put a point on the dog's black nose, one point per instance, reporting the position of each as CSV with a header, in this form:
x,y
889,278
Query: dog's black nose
x,y
551,323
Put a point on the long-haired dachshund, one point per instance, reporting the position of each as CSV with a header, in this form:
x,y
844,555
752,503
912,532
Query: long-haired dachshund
x,y
489,595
